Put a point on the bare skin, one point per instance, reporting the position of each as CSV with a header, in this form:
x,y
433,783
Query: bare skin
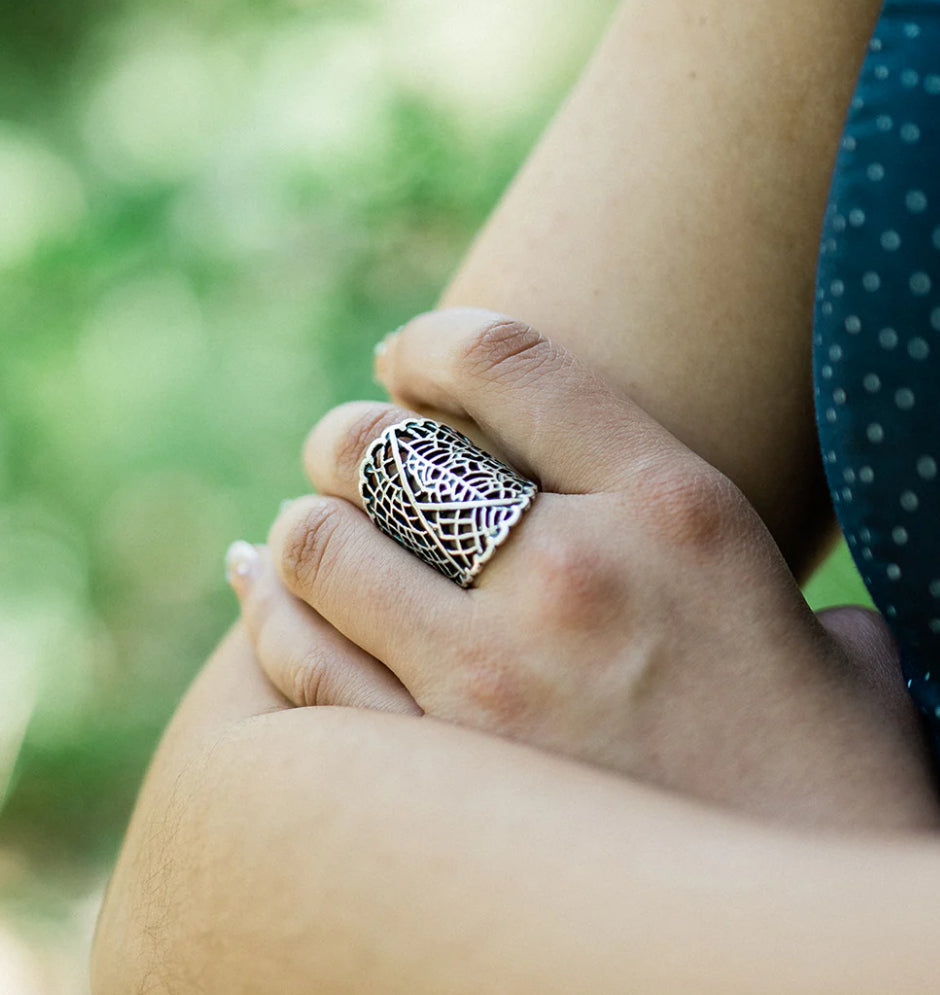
x,y
602,629
666,231
272,846
276,849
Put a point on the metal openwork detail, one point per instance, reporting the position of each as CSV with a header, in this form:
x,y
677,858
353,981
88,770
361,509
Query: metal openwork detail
x,y
432,490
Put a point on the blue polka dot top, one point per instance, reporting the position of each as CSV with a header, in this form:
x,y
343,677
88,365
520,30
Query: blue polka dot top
x,y
877,336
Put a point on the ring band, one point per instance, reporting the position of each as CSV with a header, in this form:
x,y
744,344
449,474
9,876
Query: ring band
x,y
444,499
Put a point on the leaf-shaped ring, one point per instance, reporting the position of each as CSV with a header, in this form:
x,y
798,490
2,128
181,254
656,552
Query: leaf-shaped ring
x,y
444,499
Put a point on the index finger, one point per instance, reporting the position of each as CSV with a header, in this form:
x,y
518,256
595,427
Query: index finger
x,y
555,419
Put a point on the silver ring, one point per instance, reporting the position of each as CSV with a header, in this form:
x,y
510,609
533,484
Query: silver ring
x,y
448,502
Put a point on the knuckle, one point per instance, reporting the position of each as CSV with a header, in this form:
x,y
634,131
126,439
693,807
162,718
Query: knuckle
x,y
306,679
575,586
691,504
486,685
298,676
506,347
317,676
494,690
310,545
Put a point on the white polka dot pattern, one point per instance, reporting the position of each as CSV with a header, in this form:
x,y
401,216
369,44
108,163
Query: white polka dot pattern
x,y
877,335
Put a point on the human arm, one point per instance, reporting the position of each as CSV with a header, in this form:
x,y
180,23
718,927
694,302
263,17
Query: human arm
x,y
350,851
835,944
639,616
619,276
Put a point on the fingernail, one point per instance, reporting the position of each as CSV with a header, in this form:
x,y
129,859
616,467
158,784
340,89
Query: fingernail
x,y
380,353
285,504
241,560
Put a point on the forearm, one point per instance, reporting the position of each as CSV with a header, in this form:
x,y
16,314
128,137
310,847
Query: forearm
x,y
666,229
230,690
366,852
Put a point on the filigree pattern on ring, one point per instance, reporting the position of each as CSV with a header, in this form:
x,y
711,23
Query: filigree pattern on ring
x,y
444,499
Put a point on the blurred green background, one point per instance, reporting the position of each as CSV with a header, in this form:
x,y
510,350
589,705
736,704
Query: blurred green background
x,y
208,215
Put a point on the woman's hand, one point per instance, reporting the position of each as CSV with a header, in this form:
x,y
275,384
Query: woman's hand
x,y
639,617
